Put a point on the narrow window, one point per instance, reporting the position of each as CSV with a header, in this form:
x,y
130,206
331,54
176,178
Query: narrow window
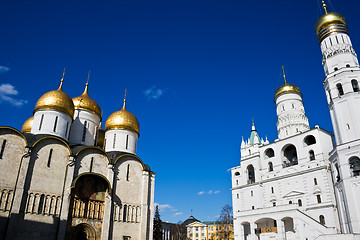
x,y
91,163
114,140
311,155
127,141
283,107
237,182
252,207
41,121
55,124
251,193
322,220
335,69
272,190
318,197
347,126
251,174
300,203
355,165
2,149
330,42
84,132
128,172
271,168
66,130
237,196
337,41
292,105
274,204
290,202
355,85
315,181
49,158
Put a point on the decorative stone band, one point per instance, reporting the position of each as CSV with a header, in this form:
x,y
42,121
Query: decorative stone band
x,y
127,213
334,50
89,209
45,204
333,28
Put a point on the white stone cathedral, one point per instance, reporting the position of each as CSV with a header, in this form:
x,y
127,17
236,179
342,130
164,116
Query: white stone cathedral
x,y
303,185
64,177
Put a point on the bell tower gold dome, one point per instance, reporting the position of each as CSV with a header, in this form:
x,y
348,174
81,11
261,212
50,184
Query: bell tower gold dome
x,y
26,127
56,100
84,102
122,119
287,88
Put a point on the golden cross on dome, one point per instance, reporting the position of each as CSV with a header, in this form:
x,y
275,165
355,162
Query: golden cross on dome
x,y
324,6
283,69
62,79
87,82
125,97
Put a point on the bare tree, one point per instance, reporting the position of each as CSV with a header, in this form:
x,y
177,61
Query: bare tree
x,y
225,222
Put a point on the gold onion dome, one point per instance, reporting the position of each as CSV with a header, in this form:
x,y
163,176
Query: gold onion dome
x,y
56,100
122,119
84,102
26,127
101,137
329,19
287,88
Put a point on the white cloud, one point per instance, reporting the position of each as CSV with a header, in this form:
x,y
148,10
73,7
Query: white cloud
x,y
153,92
216,192
201,193
4,69
178,213
210,192
7,91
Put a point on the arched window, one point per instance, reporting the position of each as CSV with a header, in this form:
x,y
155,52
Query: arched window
x,y
290,202
322,220
272,189
237,174
84,131
315,181
309,140
41,204
251,174
340,89
271,168
274,204
300,203
2,148
290,155
55,123
311,155
269,153
355,165
338,172
355,85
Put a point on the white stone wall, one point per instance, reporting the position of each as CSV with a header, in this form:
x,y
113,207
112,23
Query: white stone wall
x,y
121,140
44,123
78,127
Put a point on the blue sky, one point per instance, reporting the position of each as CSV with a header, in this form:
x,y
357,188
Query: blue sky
x,y
196,71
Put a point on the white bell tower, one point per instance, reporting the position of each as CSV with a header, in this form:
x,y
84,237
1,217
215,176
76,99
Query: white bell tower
x,y
341,85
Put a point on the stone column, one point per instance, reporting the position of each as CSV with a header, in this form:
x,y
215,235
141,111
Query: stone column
x,y
280,228
15,215
107,208
252,231
66,198
241,232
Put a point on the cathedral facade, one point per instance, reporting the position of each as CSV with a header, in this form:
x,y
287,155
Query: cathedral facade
x,y
64,177
305,185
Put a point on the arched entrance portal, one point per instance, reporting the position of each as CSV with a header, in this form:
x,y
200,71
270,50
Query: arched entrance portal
x,y
87,206
83,231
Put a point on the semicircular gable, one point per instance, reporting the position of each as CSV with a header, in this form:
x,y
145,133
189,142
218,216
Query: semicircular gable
x,y
91,159
126,157
100,150
15,131
53,138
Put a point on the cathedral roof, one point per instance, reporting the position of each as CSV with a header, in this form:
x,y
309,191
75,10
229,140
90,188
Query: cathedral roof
x,y
84,102
26,127
122,119
56,100
190,220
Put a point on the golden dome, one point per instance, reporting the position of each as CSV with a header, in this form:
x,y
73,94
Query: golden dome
x,y
56,100
26,127
101,137
328,19
122,120
287,88
84,102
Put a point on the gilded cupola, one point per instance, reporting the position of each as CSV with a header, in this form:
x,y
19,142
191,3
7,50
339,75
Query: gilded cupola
x,y
56,100
287,87
84,102
330,23
122,119
26,127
